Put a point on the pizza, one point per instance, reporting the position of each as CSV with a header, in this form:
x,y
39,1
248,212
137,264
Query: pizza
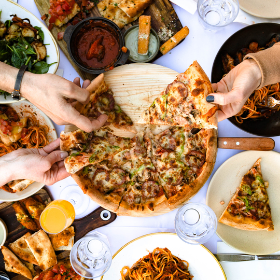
x,y
183,103
102,102
90,148
249,207
150,173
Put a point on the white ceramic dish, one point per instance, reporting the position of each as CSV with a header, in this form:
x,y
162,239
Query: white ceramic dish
x,y
3,232
8,7
261,8
222,187
202,263
26,109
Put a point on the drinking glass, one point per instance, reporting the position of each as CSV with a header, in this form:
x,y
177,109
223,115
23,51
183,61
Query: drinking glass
x,y
78,199
57,216
214,14
91,256
195,223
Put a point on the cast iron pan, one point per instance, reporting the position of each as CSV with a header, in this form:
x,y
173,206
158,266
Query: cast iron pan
x,y
261,33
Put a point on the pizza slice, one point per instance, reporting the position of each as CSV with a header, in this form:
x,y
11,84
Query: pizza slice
x,y
249,207
103,183
183,103
183,161
102,102
91,148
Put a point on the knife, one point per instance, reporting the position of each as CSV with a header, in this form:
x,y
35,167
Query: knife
x,y
243,143
244,257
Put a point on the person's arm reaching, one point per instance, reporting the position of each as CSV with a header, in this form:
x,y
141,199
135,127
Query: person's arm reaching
x,y
256,71
49,92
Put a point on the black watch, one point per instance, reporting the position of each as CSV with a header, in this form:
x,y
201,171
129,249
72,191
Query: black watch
x,y
16,94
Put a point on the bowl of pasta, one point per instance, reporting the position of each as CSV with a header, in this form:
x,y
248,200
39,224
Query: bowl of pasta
x,y
255,117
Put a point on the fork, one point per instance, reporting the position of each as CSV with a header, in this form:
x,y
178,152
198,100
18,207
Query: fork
x,y
271,102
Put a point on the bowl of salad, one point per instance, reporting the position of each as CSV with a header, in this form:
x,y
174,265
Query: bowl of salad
x,y
24,39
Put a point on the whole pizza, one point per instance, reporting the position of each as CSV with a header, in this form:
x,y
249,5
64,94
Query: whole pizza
x,y
168,160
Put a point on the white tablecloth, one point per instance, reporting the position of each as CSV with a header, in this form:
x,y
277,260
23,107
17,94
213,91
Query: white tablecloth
x,y
202,46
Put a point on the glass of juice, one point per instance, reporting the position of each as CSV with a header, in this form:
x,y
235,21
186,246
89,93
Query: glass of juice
x,y
57,216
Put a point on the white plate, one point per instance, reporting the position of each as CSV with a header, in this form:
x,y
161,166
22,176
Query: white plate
x,y
261,8
26,109
202,263
222,187
8,7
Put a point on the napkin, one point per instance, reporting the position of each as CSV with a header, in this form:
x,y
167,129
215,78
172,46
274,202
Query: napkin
x,y
249,270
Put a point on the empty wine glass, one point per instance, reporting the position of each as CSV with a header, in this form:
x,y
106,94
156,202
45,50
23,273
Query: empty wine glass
x,y
91,256
195,223
214,14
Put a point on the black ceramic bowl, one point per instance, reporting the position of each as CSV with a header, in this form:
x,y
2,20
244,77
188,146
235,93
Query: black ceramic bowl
x,y
261,33
71,34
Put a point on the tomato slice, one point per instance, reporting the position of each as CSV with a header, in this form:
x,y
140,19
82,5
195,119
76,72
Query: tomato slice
x,y
55,268
62,269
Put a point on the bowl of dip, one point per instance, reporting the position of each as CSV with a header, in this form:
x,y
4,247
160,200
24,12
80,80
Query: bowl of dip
x,y
96,45
131,42
3,232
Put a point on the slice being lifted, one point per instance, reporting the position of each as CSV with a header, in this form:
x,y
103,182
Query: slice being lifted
x,y
102,102
249,207
183,103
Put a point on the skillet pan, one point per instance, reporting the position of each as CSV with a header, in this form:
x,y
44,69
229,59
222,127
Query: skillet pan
x,y
261,33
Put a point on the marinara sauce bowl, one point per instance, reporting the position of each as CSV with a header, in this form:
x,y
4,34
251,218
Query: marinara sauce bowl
x,y
81,36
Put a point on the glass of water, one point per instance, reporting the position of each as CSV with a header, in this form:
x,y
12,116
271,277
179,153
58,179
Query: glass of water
x,y
195,223
91,256
214,14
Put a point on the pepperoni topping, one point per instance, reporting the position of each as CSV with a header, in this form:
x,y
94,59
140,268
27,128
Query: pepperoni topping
x,y
195,159
118,176
150,189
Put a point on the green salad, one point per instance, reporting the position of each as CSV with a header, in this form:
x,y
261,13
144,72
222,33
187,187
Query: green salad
x,y
23,44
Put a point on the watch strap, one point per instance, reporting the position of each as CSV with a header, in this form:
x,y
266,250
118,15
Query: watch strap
x,y
16,93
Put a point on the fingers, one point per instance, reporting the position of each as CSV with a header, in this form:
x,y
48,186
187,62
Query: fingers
x,y
86,83
215,87
224,98
55,156
77,82
77,93
74,117
95,83
52,146
221,116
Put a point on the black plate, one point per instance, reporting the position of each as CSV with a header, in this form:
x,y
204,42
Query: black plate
x,y
261,33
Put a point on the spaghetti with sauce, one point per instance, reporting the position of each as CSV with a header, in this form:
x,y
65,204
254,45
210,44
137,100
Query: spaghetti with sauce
x,y
257,104
158,265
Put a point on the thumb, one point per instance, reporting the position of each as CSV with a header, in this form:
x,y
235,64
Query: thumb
x,y
56,156
225,98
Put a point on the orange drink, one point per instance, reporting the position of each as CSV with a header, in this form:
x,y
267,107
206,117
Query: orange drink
x,y
57,216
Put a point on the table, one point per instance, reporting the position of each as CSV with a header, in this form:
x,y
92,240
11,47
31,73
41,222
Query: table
x,y
202,46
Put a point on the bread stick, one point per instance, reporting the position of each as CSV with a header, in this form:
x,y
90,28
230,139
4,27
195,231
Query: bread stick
x,y
175,40
144,34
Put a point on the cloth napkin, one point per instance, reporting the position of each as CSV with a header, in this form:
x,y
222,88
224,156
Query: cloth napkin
x,y
249,270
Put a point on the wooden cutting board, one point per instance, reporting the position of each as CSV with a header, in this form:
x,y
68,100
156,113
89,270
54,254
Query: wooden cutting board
x,y
16,230
135,86
164,21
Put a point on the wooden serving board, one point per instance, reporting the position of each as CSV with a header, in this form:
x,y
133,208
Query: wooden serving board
x,y
164,21
135,86
16,230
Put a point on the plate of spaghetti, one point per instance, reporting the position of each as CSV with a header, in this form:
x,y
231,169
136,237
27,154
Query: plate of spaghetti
x,y
23,126
255,116
163,256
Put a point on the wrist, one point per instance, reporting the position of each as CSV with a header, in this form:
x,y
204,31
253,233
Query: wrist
x,y
255,70
28,84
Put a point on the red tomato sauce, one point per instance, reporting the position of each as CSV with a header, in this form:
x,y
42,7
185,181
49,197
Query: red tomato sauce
x,y
96,47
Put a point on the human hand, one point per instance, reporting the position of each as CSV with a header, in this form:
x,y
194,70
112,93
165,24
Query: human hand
x,y
48,92
235,88
44,165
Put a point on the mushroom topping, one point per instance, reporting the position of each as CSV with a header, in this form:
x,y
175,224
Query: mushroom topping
x,y
40,50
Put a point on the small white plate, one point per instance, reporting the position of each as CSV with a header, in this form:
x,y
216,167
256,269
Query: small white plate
x,y
202,263
223,186
3,233
27,109
8,7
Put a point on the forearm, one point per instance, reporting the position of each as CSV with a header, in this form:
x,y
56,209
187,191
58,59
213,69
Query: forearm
x,y
8,76
269,63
